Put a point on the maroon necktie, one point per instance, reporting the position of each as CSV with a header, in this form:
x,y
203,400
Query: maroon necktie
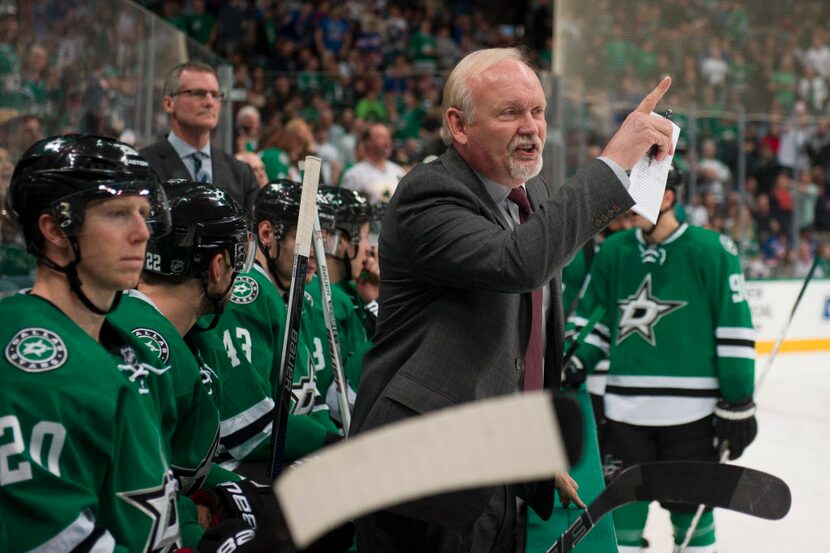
x,y
533,377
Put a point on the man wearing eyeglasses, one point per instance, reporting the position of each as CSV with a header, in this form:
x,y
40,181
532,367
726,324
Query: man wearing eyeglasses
x,y
192,100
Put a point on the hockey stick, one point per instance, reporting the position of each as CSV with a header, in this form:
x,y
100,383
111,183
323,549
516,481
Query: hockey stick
x,y
730,487
331,328
780,339
513,438
302,247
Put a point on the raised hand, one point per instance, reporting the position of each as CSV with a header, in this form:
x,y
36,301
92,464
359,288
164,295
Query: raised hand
x,y
640,131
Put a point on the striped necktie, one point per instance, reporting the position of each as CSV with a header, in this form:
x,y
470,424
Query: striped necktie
x,y
200,173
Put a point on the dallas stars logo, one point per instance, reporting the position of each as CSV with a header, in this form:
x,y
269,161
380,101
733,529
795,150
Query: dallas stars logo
x,y
159,504
154,341
641,312
245,290
36,350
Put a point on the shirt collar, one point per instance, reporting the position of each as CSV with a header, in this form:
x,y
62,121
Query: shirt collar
x,y
183,149
498,192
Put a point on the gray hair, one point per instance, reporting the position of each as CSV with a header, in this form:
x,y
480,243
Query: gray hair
x,y
245,111
173,78
457,88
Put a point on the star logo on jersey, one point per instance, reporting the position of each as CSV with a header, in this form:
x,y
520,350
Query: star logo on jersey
x,y
154,341
159,504
640,313
36,350
303,393
245,290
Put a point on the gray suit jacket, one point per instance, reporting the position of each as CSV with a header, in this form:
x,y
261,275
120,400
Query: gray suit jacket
x,y
455,302
229,174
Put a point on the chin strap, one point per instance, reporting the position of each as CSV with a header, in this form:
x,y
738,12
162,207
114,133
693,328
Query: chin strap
x,y
218,302
271,262
71,272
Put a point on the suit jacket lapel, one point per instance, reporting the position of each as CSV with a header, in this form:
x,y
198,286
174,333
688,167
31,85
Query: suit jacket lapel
x,y
221,171
458,168
171,161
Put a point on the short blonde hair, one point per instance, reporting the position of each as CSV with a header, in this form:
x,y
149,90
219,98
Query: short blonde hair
x,y
457,88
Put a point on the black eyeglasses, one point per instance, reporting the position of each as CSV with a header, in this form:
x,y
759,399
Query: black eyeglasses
x,y
201,94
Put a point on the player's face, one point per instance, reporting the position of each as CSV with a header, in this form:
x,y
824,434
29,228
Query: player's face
x,y
195,111
362,250
504,141
112,239
285,261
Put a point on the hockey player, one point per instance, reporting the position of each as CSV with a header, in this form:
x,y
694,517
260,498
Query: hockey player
x,y
189,273
84,464
678,333
258,311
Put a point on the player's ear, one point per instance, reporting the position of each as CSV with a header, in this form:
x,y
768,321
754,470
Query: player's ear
x,y
265,232
218,267
51,231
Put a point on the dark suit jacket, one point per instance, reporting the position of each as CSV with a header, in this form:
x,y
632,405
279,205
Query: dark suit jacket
x,y
455,302
229,174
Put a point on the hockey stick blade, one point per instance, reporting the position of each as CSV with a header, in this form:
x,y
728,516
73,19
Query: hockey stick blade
x,y
302,248
740,489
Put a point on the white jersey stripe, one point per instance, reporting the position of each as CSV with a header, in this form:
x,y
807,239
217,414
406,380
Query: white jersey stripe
x,y
242,450
736,332
246,417
79,530
597,342
685,382
657,410
742,352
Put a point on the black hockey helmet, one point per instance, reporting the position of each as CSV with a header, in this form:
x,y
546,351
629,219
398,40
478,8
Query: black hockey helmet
x,y
59,175
278,202
352,210
676,178
205,221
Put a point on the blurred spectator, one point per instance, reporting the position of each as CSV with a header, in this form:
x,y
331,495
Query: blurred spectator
x,y
805,198
766,224
282,148
255,163
782,201
804,257
201,24
247,129
714,174
192,101
376,176
334,32
330,171
812,90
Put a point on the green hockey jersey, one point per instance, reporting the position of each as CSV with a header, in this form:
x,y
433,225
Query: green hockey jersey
x,y
677,327
83,458
351,336
257,313
189,416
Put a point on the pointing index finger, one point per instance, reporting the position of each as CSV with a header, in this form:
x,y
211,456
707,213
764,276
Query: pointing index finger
x,y
652,98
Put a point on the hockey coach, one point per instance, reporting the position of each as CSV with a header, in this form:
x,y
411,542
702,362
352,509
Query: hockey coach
x,y
470,255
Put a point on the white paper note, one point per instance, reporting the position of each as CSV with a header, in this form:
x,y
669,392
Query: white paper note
x,y
507,439
648,180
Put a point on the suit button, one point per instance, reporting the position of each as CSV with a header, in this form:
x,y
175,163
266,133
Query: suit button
x,y
597,223
520,364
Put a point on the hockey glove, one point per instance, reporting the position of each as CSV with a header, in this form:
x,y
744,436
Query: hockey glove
x,y
250,503
573,373
735,426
